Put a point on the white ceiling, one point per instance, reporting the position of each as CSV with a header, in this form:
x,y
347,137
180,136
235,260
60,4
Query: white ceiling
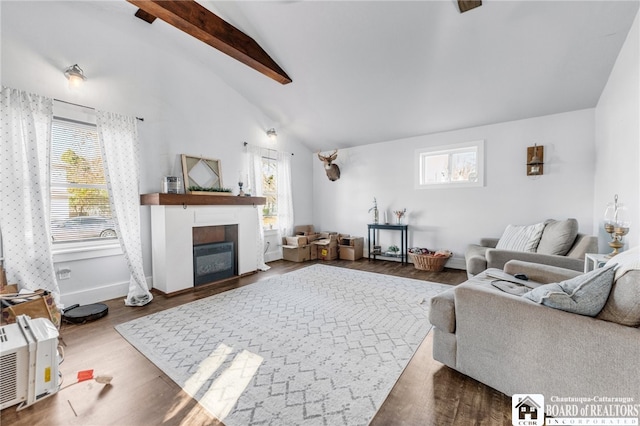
x,y
366,72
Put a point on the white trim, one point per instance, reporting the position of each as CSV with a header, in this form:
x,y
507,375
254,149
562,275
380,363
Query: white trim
x,y
99,294
456,263
67,252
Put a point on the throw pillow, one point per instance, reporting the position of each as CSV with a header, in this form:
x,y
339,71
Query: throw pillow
x,y
623,305
585,294
558,237
521,237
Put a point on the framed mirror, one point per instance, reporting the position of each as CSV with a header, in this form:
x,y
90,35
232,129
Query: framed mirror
x,y
202,172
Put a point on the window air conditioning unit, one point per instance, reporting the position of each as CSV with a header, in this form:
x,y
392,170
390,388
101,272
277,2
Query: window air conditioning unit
x,y
28,362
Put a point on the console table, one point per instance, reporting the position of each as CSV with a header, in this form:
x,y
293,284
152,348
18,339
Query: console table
x,y
404,239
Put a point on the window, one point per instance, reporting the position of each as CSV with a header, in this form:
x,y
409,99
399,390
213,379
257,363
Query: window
x,y
270,191
460,165
79,199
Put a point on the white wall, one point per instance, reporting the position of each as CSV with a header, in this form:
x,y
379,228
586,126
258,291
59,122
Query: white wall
x,y
453,218
132,70
617,136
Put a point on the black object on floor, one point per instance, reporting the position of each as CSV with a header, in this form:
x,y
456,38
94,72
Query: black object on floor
x,y
82,314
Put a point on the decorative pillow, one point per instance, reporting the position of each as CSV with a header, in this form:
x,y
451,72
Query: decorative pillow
x,y
521,237
623,305
628,260
585,294
558,237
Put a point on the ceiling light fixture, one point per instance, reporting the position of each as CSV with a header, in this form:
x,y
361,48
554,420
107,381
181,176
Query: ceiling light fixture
x,y
272,134
75,75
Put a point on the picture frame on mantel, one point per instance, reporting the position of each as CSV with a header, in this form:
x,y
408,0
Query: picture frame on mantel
x,y
202,172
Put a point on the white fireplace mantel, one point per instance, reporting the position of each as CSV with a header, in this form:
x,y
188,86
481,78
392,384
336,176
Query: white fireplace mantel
x,y
172,237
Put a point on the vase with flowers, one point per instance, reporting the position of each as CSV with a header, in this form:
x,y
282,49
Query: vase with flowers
x,y
399,215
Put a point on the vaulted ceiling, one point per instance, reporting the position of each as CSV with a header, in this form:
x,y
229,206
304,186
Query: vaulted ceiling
x,y
365,72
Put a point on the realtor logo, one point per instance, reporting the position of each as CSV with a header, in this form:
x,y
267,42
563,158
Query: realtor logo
x,y
527,410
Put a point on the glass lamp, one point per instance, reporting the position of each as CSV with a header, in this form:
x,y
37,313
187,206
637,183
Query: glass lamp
x,y
75,75
616,224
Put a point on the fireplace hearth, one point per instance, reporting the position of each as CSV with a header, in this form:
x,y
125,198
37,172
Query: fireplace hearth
x,y
213,262
215,253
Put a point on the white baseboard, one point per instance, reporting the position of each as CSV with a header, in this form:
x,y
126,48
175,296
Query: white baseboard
x,y
272,255
456,263
99,294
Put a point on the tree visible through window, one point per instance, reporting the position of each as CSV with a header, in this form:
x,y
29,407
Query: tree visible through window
x,y
79,198
270,191
455,165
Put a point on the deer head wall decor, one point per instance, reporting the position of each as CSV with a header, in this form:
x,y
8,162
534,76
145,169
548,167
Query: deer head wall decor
x,y
333,171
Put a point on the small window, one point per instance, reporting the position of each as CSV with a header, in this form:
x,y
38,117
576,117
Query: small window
x,y
80,208
270,191
460,165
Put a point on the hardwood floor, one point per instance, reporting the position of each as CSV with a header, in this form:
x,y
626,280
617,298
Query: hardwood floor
x,y
427,392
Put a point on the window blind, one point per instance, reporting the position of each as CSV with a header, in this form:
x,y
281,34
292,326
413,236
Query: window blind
x,y
79,198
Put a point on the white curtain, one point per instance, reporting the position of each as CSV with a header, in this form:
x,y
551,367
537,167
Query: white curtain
x,y
119,145
285,195
24,190
254,161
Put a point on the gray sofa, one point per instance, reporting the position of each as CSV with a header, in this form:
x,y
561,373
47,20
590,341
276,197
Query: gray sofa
x,y
560,245
516,345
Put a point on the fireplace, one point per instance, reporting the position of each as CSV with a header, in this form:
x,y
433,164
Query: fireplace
x,y
215,253
179,223
213,262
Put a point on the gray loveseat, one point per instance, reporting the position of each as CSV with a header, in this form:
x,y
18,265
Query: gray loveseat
x,y
560,245
516,345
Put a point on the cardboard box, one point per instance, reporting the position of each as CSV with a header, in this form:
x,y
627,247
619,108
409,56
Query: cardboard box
x,y
325,237
296,253
353,250
351,241
303,230
9,289
298,240
37,304
350,253
297,248
312,237
327,248
342,237
314,251
326,252
3,279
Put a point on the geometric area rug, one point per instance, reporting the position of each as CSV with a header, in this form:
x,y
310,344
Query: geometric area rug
x,y
317,346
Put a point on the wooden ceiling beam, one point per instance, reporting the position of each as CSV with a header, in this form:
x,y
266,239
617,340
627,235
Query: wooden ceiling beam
x,y
466,5
146,17
201,23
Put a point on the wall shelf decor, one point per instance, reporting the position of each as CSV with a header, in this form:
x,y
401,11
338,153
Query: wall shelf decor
x,y
535,160
202,172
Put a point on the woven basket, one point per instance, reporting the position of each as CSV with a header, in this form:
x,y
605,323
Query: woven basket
x,y
428,262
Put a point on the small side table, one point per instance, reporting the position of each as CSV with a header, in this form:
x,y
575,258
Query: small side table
x,y
594,261
404,239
